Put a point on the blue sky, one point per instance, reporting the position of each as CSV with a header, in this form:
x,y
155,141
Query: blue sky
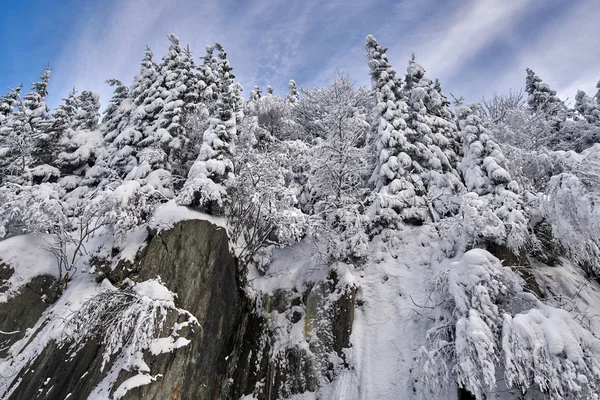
x,y
474,47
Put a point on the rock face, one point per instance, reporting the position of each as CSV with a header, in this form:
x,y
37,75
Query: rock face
x,y
237,347
23,310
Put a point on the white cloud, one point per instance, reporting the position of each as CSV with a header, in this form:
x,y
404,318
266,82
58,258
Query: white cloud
x,y
471,29
270,42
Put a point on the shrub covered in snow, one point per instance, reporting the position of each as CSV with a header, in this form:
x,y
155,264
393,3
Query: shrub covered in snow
x,y
487,326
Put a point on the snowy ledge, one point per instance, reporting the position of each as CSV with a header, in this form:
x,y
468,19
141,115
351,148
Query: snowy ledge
x,y
168,214
27,256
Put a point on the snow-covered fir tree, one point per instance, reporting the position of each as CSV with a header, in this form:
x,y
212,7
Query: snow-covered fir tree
x,y
293,95
255,94
397,174
434,133
587,108
212,172
493,210
544,101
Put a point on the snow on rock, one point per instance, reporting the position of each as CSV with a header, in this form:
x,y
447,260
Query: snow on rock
x,y
133,382
134,242
168,214
155,290
50,327
26,254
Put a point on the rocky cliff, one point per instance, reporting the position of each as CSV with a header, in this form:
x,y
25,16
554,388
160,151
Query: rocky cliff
x,y
269,346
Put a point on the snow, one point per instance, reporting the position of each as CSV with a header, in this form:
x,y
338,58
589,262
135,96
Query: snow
x,y
26,254
167,345
385,337
133,382
168,214
155,290
135,241
293,267
48,328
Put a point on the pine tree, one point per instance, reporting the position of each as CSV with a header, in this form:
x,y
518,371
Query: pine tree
x,y
208,74
293,96
212,173
434,133
181,84
9,102
255,94
493,189
115,116
16,141
543,101
34,101
587,108
144,91
44,135
132,119
396,175
79,141
88,111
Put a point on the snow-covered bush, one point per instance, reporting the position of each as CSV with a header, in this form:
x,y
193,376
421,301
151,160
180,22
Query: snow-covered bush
x,y
573,209
487,325
127,323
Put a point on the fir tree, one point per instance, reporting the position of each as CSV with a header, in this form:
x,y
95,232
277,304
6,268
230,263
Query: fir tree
x,y
208,74
493,190
88,108
255,94
587,108
79,141
34,101
293,96
10,101
396,176
44,135
212,173
434,133
16,141
115,116
543,101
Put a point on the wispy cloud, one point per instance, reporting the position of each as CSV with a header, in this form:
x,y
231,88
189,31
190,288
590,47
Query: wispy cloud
x,y
471,29
474,46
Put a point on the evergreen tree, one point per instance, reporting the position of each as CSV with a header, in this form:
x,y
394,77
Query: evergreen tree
x,y
34,101
293,96
396,176
434,133
144,91
117,111
80,140
587,108
543,101
180,85
16,141
212,173
255,94
88,111
493,211
208,74
9,102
